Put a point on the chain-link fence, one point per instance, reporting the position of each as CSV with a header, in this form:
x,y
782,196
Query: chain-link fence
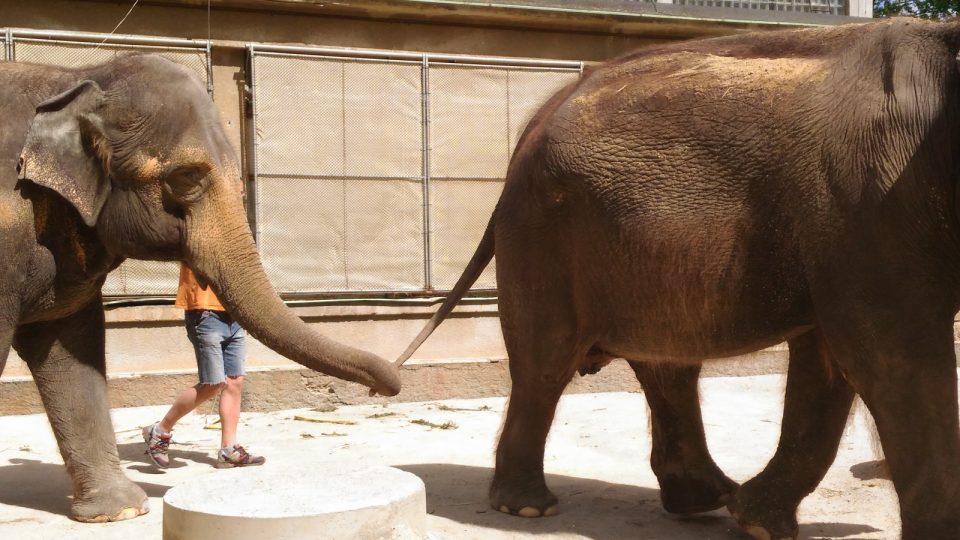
x,y
834,7
378,174
133,277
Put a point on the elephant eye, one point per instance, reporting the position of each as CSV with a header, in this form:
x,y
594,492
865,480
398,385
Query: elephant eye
x,y
187,182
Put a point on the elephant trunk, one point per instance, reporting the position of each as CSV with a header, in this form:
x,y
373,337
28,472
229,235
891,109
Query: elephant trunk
x,y
220,249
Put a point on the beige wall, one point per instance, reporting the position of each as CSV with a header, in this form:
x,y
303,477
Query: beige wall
x,y
240,26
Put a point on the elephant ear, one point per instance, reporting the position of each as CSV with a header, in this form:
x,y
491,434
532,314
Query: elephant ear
x,y
67,151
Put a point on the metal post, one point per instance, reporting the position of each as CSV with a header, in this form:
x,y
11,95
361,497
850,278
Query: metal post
x,y
253,192
8,43
209,69
425,159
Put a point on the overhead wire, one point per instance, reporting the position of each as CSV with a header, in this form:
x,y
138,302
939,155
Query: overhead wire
x,y
129,11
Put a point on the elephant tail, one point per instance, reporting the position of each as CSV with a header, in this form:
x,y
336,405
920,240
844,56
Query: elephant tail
x,y
481,258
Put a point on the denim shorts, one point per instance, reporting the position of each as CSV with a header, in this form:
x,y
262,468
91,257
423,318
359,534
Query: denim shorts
x,y
218,341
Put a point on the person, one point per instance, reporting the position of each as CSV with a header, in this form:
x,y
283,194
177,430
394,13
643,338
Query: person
x,y
218,342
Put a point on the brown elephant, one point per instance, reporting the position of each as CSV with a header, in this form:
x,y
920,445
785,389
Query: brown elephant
x,y
708,198
126,159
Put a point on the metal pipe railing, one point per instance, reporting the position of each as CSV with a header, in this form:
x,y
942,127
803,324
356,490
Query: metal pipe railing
x,y
255,143
434,58
114,39
425,113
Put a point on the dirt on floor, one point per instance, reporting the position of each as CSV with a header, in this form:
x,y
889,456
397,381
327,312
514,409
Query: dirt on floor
x,y
597,462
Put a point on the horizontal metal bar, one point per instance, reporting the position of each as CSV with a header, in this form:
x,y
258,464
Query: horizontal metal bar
x,y
406,62
503,66
311,176
409,56
500,60
412,179
110,39
429,299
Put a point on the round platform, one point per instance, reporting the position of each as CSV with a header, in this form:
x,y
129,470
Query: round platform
x,y
331,501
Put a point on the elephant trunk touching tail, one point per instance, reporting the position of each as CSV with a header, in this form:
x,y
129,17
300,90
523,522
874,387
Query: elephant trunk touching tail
x,y
221,251
481,258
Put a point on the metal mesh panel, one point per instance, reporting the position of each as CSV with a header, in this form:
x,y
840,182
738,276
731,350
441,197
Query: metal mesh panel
x,y
476,117
82,54
133,277
835,7
339,179
340,151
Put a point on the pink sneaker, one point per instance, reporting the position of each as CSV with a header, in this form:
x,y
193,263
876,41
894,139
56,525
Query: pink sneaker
x,y
157,445
237,456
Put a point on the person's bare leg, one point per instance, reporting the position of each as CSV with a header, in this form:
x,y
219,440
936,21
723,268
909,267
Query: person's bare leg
x,y
187,401
230,410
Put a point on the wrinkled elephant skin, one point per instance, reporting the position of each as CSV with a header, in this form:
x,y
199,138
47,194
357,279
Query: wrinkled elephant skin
x,y
710,198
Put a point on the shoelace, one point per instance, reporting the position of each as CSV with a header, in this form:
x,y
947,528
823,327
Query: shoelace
x,y
242,451
163,443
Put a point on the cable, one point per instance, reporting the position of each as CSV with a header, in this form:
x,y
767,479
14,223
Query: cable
x,y
135,2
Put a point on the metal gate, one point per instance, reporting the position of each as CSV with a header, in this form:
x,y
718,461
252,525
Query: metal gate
x,y
376,172
76,49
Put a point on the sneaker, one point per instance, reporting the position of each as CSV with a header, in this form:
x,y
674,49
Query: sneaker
x,y
237,456
157,445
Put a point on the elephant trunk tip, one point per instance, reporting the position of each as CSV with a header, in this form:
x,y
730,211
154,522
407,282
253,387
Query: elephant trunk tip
x,y
386,379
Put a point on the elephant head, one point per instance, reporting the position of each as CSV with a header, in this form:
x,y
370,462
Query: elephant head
x,y
137,147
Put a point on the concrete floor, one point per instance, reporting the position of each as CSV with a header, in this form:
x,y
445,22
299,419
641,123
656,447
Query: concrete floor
x,y
596,462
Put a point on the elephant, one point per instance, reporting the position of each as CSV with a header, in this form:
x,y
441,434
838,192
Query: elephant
x,y
124,159
704,199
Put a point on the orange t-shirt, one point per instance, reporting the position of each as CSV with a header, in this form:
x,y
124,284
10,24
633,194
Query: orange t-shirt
x,y
190,295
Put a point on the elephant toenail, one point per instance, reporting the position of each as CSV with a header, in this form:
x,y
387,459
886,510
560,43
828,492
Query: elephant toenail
x,y
552,511
503,508
127,513
528,512
757,533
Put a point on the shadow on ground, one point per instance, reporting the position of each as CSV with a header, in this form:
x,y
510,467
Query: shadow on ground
x,y
871,470
590,508
134,452
46,487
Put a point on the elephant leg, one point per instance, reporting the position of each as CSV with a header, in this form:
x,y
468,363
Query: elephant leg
x,y
543,353
66,358
689,479
907,377
816,406
6,338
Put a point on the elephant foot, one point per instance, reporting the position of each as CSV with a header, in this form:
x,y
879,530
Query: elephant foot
x,y
762,517
692,494
529,501
113,501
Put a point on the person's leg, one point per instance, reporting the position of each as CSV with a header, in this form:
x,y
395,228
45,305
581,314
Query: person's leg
x,y
230,410
234,353
204,332
188,400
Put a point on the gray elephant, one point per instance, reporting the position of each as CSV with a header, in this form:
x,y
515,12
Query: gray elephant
x,y
708,198
127,159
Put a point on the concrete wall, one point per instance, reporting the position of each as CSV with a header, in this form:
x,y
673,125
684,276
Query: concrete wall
x,y
150,341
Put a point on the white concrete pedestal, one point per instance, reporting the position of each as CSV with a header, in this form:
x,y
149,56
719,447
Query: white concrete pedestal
x,y
332,501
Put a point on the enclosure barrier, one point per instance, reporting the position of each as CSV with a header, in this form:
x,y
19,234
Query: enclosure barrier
x,y
833,7
376,172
